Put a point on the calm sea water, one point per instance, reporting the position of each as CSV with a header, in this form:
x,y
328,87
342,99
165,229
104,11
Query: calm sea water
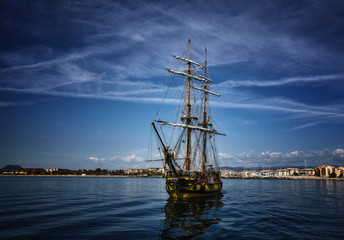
x,y
139,208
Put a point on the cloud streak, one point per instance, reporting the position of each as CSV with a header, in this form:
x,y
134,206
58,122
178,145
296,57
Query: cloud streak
x,y
150,95
8,104
283,81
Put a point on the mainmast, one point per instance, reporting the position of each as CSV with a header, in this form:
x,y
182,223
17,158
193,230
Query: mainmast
x,y
205,121
188,114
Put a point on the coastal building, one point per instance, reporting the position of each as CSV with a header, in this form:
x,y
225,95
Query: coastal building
x,y
31,171
282,173
324,170
248,174
228,173
156,170
293,171
339,171
134,170
307,172
267,173
50,170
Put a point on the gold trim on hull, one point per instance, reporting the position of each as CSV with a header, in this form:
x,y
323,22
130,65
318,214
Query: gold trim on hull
x,y
192,190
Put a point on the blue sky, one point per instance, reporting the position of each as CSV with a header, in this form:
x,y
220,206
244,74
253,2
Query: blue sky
x,y
81,81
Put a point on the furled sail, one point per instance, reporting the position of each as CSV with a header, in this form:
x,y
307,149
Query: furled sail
x,y
205,90
190,126
189,61
202,79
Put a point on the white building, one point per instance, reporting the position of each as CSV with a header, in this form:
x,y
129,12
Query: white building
x,y
248,173
282,173
227,173
267,173
293,171
134,170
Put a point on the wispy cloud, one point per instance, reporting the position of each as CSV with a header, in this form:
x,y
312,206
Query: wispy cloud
x,y
283,81
298,109
305,126
7,104
143,45
49,63
138,93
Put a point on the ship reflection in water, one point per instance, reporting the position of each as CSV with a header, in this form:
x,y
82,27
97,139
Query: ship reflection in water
x,y
190,218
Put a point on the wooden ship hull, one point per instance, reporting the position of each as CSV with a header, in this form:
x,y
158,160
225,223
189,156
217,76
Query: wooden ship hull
x,y
190,188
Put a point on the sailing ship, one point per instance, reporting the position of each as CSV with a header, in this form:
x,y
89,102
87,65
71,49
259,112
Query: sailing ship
x,y
190,161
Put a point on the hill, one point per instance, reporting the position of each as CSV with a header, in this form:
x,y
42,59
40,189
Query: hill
x,y
10,168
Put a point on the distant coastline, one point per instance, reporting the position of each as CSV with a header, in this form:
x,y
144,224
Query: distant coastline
x,y
138,176
320,172
86,176
80,176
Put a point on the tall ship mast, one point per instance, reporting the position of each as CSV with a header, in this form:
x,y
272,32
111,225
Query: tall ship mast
x,y
190,160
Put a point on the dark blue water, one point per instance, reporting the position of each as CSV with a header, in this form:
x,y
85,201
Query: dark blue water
x,y
139,208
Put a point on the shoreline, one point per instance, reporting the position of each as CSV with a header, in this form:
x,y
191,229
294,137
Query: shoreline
x,y
104,176
132,176
289,178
